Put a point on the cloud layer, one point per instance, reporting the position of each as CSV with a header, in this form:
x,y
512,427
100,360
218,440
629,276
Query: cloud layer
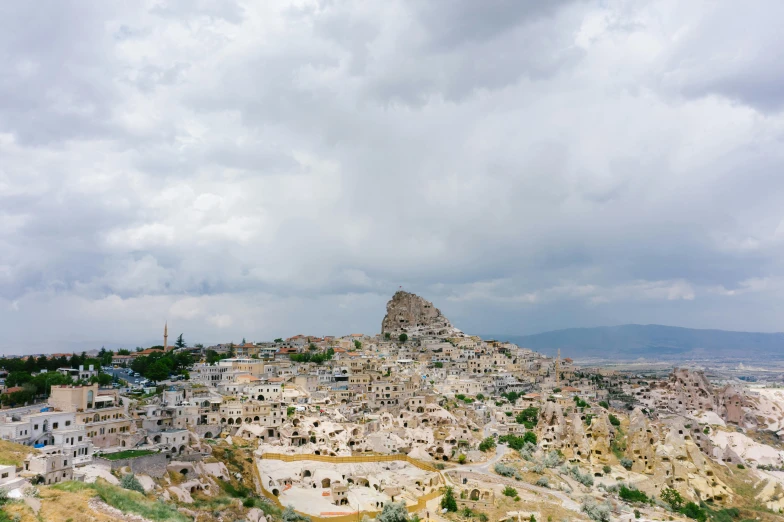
x,y
259,170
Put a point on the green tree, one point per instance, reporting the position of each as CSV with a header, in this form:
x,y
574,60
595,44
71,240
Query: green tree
x,y
357,345
528,417
614,420
487,444
529,436
103,379
448,501
158,371
180,342
387,336
480,397
402,337
511,397
278,340
462,458
673,498
438,364
123,351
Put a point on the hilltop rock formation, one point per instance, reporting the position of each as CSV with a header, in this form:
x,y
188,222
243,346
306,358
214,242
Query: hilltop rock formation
x,y
410,314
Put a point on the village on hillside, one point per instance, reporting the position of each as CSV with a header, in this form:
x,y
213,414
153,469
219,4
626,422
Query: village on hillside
x,y
418,422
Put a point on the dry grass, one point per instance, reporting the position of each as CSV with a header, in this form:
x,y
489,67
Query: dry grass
x,y
14,454
21,510
69,505
746,488
125,500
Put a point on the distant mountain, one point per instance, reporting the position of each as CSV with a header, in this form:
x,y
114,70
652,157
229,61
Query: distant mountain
x,y
652,341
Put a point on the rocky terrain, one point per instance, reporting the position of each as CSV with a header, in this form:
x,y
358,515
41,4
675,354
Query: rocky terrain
x,y
410,314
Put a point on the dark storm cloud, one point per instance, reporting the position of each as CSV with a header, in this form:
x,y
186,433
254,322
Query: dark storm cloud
x,y
256,170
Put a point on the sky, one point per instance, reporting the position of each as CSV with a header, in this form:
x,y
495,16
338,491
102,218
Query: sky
x,y
261,169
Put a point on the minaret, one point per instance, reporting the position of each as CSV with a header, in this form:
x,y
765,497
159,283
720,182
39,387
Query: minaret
x,y
166,337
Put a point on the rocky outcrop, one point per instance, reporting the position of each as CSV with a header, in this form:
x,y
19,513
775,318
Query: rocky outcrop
x,y
641,443
410,314
600,435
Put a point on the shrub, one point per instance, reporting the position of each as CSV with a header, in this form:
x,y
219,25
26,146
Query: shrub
x,y
505,470
129,481
604,404
632,495
694,511
289,515
552,459
480,397
462,458
614,420
595,511
636,513
583,478
741,466
393,512
543,482
626,463
509,491
606,469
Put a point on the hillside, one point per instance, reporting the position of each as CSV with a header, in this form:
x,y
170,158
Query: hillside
x,y
632,341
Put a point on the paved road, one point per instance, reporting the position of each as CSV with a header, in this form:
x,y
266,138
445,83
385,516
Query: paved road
x,y
500,451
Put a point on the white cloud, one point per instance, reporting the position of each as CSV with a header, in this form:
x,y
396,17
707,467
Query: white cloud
x,y
222,164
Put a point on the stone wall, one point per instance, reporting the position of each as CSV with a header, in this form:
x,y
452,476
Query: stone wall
x,y
214,430
153,465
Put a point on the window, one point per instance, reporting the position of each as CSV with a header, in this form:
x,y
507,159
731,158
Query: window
x,y
65,463
35,427
5,475
55,425
67,423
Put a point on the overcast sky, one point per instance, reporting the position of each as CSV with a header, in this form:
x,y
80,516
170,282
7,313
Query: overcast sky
x,y
260,169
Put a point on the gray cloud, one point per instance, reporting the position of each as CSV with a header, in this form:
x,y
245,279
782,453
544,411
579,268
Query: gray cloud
x,y
258,170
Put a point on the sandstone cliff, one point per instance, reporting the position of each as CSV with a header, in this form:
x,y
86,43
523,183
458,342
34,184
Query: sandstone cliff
x,y
408,313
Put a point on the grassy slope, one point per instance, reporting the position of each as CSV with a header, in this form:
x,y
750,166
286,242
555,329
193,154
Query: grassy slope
x,y
14,454
126,501
127,454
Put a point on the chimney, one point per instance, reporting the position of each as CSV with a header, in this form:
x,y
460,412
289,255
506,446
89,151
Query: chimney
x,y
81,368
